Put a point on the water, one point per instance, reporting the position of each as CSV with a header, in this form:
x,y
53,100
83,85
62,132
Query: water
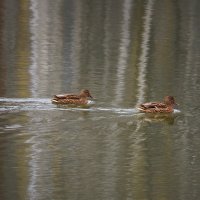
x,y
125,53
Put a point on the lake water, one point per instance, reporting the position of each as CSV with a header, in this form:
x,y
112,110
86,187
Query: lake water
x,y
125,52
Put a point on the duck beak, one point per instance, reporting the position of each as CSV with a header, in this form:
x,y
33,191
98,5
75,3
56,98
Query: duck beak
x,y
176,105
91,96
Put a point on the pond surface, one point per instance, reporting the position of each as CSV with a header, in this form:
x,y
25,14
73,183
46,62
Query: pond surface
x,y
125,52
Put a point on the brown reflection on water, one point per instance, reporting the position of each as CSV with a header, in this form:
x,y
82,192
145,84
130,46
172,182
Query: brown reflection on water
x,y
2,62
15,49
13,150
23,50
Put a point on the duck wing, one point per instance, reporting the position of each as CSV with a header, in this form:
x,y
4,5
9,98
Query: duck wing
x,y
153,107
66,96
70,101
150,105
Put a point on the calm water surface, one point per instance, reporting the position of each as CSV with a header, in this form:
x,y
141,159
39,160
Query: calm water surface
x,y
125,53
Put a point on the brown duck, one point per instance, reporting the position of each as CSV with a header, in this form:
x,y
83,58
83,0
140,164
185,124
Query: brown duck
x,y
75,99
167,106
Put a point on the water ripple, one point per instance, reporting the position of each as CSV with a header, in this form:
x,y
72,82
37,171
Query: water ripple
x,y
34,104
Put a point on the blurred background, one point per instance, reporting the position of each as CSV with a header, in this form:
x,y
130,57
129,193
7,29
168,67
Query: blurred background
x,y
125,52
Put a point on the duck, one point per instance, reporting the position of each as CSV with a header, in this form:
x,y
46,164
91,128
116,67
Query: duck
x,y
73,99
167,106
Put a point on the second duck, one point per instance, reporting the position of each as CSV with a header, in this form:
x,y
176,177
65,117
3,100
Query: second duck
x,y
74,99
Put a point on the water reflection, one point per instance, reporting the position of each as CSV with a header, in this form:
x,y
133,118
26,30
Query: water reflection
x,y
158,118
144,51
46,46
125,52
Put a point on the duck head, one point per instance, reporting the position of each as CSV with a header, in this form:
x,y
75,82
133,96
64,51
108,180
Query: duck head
x,y
85,93
170,101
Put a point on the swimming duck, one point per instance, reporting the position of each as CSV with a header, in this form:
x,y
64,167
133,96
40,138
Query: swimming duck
x,y
75,99
167,106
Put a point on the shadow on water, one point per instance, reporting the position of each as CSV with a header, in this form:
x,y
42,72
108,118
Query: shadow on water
x,y
168,118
